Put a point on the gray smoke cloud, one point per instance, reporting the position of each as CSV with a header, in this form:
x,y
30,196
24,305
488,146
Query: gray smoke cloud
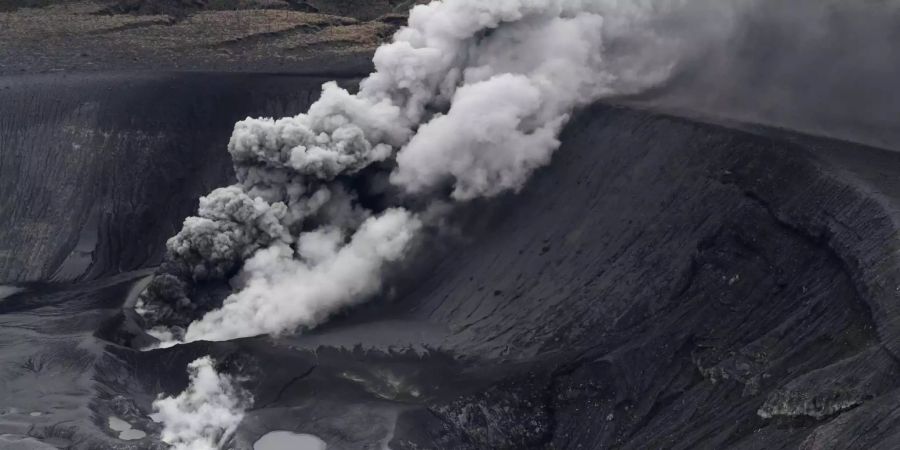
x,y
471,95
228,228
827,67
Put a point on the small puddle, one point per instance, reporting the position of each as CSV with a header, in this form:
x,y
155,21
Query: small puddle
x,y
81,257
286,440
126,432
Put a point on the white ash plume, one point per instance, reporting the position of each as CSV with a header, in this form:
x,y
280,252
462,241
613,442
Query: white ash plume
x,y
283,288
471,93
206,414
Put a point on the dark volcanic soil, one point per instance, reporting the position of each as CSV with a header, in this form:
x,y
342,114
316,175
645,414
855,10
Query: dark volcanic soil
x,y
662,284
124,158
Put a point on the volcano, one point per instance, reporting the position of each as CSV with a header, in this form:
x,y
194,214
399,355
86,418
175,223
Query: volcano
x,y
671,279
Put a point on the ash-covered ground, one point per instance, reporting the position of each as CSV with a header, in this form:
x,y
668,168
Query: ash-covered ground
x,y
681,274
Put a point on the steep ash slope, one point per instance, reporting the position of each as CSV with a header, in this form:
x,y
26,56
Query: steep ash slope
x,y
96,172
702,287
662,284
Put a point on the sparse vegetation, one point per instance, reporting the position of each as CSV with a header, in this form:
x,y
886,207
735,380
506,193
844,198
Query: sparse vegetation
x,y
264,35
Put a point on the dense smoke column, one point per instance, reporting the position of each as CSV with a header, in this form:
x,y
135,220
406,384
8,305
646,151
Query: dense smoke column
x,y
206,414
471,95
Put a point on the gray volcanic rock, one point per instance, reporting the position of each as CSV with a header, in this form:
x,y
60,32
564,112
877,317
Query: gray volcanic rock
x,y
13,442
662,284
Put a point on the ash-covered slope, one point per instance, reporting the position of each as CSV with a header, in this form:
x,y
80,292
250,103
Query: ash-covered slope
x,y
663,283
97,171
709,289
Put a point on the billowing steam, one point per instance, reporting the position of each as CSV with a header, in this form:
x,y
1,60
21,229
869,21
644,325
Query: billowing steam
x,y
285,287
204,416
470,96
517,90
